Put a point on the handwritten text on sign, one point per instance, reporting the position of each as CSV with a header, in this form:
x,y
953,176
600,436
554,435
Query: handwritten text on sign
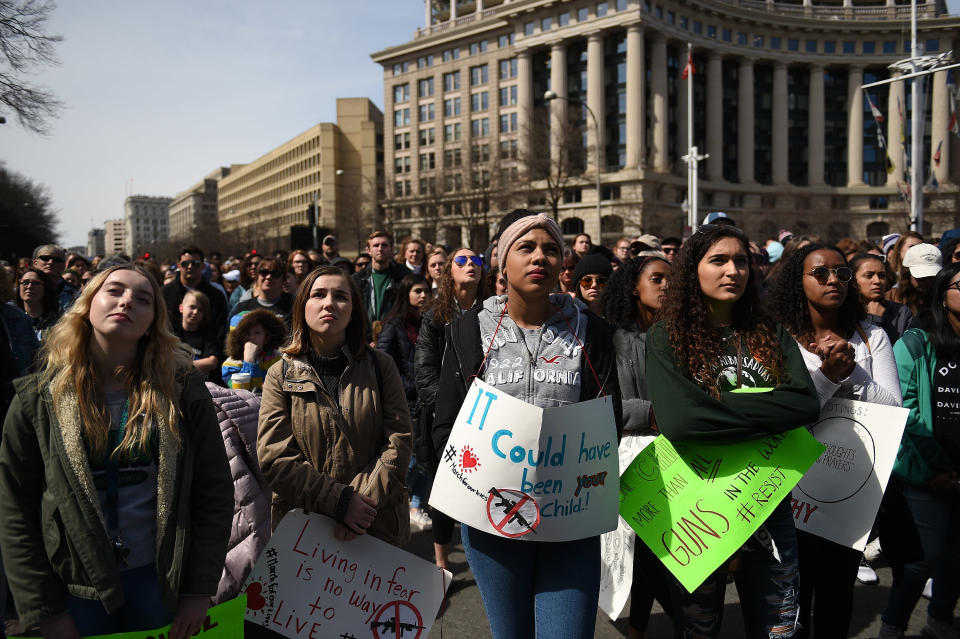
x,y
839,496
515,470
694,505
308,584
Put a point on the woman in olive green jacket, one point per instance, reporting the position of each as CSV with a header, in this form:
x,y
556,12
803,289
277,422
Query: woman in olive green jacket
x,y
334,434
115,495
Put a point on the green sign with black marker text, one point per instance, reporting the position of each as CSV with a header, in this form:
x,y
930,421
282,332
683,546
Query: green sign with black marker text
x,y
694,505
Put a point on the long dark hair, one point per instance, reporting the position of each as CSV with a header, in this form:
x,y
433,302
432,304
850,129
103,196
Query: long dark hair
x,y
356,332
620,306
401,308
444,303
787,303
857,261
697,343
50,301
945,340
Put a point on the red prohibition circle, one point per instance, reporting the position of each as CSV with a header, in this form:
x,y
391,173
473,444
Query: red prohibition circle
x,y
394,627
509,512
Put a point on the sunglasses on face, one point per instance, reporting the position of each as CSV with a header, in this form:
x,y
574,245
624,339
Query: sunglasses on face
x,y
587,281
822,274
265,273
29,283
50,258
191,263
461,260
670,249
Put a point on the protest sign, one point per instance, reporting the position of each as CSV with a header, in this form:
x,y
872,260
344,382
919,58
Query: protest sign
x,y
308,584
694,505
222,622
839,496
518,471
616,546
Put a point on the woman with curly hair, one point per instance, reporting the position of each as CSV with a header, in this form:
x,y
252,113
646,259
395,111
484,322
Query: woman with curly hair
x,y
632,301
461,287
115,494
711,345
846,357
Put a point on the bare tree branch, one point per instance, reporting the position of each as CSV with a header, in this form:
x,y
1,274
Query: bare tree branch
x,y
25,48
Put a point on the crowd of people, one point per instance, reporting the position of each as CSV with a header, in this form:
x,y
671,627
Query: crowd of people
x,y
124,505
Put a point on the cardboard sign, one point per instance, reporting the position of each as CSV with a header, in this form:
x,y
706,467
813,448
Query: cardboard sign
x,y
518,471
694,505
308,584
222,622
839,496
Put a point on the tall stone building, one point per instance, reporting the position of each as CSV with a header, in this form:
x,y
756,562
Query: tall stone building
x,y
96,242
146,221
777,105
193,213
114,237
339,166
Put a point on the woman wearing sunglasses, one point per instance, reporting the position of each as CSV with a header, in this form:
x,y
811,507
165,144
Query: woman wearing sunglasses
x,y
460,287
928,461
269,286
591,277
847,357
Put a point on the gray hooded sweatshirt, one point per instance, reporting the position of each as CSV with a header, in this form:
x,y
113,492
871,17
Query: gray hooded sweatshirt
x,y
541,366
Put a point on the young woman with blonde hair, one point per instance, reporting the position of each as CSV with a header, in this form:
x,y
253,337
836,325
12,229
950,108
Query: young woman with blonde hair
x,y
115,494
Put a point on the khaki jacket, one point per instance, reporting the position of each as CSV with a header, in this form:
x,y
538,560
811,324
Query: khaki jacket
x,y
310,452
52,528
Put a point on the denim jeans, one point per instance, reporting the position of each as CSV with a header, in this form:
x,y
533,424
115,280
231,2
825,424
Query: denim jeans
x,y
768,589
937,518
143,609
417,484
536,588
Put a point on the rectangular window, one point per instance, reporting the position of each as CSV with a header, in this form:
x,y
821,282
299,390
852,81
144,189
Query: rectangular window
x,y
407,188
422,62
810,46
712,31
397,69
849,46
451,132
427,162
583,14
508,96
398,188
425,87
452,158
480,127
621,5
508,69
601,9
430,60
741,37
563,19
758,41
869,48
671,17
398,142
426,112
478,47
683,22
401,92
480,153
401,117
932,45
529,27
774,42
427,136
611,192
697,27
479,101
889,47
829,46
793,44
451,81
451,107
505,40
727,35
406,164
478,75
546,23
508,123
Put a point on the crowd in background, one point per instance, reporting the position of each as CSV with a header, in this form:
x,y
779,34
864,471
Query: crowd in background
x,y
353,369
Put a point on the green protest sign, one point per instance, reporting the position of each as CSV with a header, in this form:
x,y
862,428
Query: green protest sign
x,y
222,622
694,505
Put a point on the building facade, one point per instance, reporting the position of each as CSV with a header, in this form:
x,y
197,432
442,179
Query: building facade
x,y
334,168
777,106
146,220
193,213
96,242
114,237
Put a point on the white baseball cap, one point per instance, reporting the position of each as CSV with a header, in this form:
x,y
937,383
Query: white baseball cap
x,y
923,260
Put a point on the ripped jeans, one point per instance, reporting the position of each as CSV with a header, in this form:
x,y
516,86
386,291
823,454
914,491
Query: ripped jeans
x,y
768,589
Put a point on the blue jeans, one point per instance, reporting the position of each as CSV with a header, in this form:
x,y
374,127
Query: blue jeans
x,y
416,483
536,589
768,589
937,518
143,609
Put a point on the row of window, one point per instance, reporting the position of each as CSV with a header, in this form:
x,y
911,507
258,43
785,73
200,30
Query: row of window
x,y
479,75
453,158
452,107
583,14
479,179
448,55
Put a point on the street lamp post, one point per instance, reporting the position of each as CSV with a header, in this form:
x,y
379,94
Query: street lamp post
x,y
552,95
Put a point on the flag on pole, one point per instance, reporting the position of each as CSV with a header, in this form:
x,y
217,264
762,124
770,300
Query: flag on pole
x,y
881,141
936,154
890,167
932,182
689,68
877,115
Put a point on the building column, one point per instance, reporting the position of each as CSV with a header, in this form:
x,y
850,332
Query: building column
x,y
595,99
745,123
525,103
559,132
781,120
658,86
479,14
940,136
453,10
816,152
427,6
715,117
854,126
636,79
895,104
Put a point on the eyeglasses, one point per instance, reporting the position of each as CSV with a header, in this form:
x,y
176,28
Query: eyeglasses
x,y
50,258
461,260
587,281
822,274
265,273
191,263
29,283
670,249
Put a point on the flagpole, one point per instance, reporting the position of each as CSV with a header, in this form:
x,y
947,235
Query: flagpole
x,y
691,166
916,121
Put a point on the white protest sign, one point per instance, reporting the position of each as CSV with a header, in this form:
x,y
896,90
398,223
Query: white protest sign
x,y
838,497
616,547
308,584
518,471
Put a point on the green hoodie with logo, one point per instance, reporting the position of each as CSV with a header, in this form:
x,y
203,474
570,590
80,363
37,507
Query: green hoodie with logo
x,y
752,403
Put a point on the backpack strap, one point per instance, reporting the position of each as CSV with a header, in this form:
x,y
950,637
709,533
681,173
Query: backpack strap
x,y
377,371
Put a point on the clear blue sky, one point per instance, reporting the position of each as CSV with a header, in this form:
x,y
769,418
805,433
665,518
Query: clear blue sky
x,y
162,93
159,94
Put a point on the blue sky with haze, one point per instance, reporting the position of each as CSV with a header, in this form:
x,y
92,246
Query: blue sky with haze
x,y
162,93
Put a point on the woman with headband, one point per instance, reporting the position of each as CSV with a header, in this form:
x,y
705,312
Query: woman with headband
x,y
530,588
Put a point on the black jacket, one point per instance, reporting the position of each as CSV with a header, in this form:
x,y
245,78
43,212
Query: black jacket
x,y
464,356
364,280
173,295
395,342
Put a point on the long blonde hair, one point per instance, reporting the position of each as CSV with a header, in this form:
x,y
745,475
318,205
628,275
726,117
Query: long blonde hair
x,y
150,383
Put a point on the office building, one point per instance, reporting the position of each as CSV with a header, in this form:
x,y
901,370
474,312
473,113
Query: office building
x,y
96,242
146,221
193,213
114,237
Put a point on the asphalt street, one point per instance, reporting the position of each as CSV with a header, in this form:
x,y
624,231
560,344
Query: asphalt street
x,y
464,616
